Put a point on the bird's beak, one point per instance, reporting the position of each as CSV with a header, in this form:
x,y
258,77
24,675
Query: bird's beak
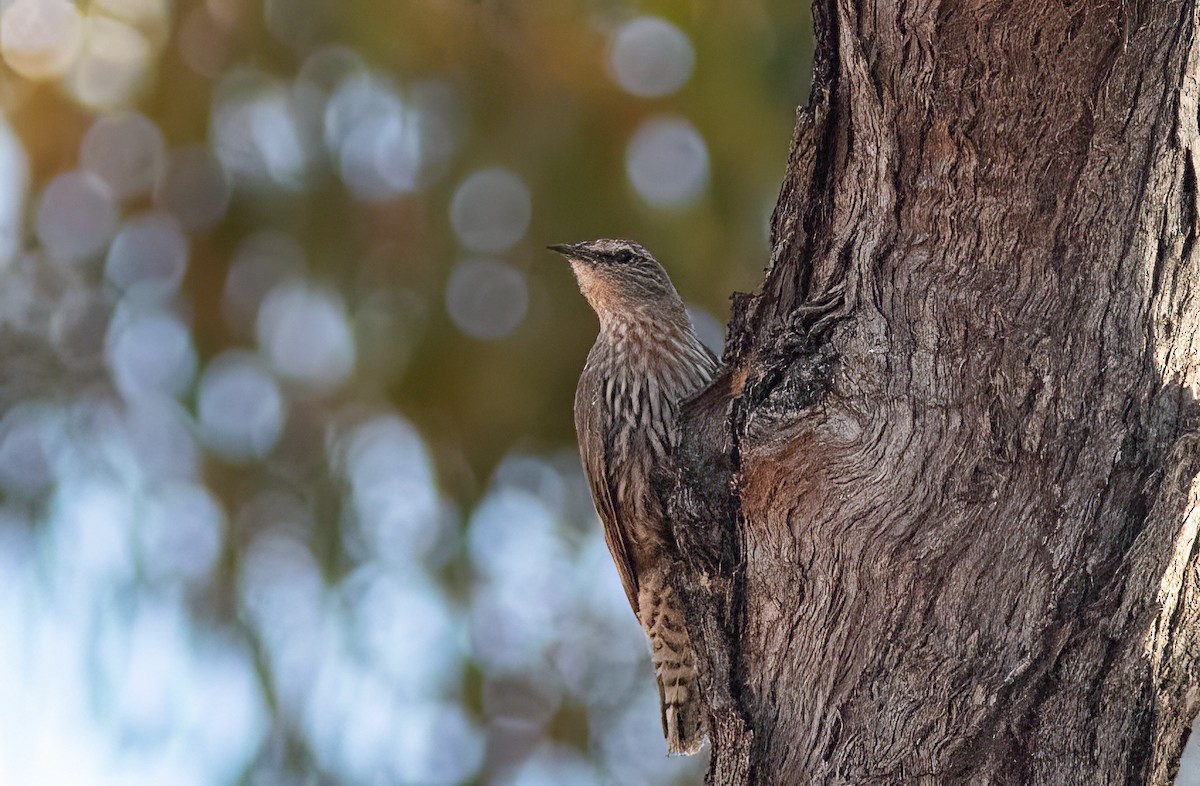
x,y
575,252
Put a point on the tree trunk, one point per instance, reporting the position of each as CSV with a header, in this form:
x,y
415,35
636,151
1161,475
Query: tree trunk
x,y
946,532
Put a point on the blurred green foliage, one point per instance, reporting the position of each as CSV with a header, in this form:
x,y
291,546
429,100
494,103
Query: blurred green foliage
x,y
535,97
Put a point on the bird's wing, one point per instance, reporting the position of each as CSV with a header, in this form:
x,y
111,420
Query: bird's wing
x,y
597,463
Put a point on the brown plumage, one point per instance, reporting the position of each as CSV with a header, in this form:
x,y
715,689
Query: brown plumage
x,y
646,360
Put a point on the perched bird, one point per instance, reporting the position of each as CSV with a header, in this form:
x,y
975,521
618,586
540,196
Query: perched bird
x,y
645,361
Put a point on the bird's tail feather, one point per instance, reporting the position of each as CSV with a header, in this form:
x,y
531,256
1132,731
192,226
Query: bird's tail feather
x,y
683,718
683,722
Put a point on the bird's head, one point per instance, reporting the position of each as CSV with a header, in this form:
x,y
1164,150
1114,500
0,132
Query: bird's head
x,y
619,277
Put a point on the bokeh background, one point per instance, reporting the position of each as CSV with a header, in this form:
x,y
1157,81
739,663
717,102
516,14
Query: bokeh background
x,y
288,485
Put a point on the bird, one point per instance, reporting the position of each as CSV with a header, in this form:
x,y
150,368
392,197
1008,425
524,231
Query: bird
x,y
646,360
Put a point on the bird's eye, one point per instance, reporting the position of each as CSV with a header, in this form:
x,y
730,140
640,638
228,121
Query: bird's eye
x,y
623,257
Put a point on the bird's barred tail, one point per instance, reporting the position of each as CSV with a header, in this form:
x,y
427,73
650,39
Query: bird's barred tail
x,y
682,717
674,667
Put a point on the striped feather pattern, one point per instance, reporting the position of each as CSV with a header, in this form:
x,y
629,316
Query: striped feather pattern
x,y
646,360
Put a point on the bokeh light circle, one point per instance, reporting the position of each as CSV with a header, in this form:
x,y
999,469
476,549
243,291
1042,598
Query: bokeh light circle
x,y
374,136
112,64
650,57
40,38
148,256
490,211
181,534
203,42
486,298
126,150
240,407
394,495
150,353
667,162
304,332
76,215
261,132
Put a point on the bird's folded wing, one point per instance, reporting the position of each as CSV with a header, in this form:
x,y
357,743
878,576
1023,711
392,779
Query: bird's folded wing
x,y
598,466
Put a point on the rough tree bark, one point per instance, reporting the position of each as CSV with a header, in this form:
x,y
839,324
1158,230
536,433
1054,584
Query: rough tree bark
x,y
947,532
